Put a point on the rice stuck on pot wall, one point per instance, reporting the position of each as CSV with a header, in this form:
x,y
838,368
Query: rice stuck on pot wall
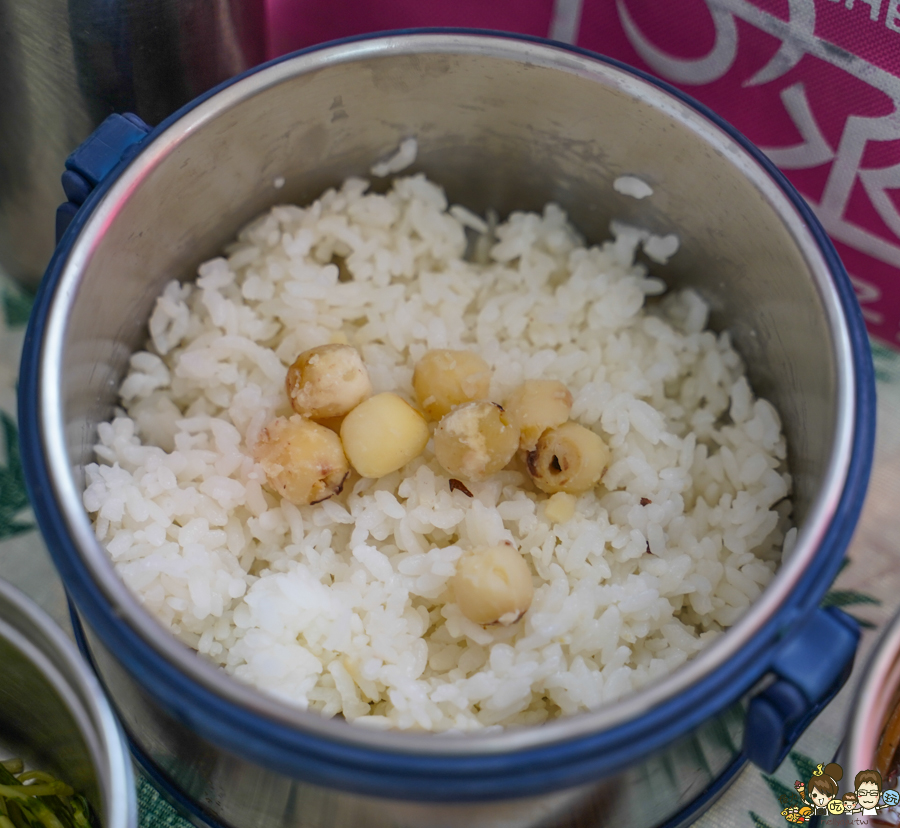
x,y
350,605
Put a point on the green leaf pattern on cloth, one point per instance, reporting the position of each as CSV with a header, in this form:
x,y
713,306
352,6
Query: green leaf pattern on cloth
x,y
804,765
887,363
758,821
155,811
786,796
843,598
16,306
13,498
14,519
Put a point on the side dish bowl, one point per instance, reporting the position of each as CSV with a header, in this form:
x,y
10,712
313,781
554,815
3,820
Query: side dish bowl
x,y
54,716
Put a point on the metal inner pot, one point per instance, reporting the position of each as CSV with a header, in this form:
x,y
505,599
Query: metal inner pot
x,y
53,714
504,123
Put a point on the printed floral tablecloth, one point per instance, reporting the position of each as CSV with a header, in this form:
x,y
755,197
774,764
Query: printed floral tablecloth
x,y
868,586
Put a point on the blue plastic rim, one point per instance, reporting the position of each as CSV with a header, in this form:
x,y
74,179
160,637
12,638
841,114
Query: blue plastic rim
x,y
411,775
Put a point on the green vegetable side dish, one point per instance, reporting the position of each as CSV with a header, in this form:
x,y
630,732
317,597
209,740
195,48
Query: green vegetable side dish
x,y
33,799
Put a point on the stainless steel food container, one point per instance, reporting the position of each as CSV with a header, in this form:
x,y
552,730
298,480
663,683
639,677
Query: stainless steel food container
x,y
505,123
53,713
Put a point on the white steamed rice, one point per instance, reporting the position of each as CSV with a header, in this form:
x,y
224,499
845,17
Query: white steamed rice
x,y
343,607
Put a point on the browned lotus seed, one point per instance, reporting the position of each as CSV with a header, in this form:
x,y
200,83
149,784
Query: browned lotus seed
x,y
327,381
570,458
475,440
303,461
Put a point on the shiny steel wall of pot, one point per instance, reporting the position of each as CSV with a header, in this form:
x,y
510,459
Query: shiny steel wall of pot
x,y
230,788
67,64
503,123
53,713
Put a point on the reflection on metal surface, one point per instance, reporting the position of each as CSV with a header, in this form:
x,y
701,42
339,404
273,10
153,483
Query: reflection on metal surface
x,y
64,66
566,19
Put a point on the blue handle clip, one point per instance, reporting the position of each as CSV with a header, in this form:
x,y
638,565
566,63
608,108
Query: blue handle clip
x,y
811,665
117,139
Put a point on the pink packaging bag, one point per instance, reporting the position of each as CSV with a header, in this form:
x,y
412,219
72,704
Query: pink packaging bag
x,y
814,83
294,24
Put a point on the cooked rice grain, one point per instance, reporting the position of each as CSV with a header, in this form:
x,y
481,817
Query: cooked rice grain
x,y
343,607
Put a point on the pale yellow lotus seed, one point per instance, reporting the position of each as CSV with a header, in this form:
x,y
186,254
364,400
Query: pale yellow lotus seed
x,y
382,434
443,379
492,585
560,507
535,406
